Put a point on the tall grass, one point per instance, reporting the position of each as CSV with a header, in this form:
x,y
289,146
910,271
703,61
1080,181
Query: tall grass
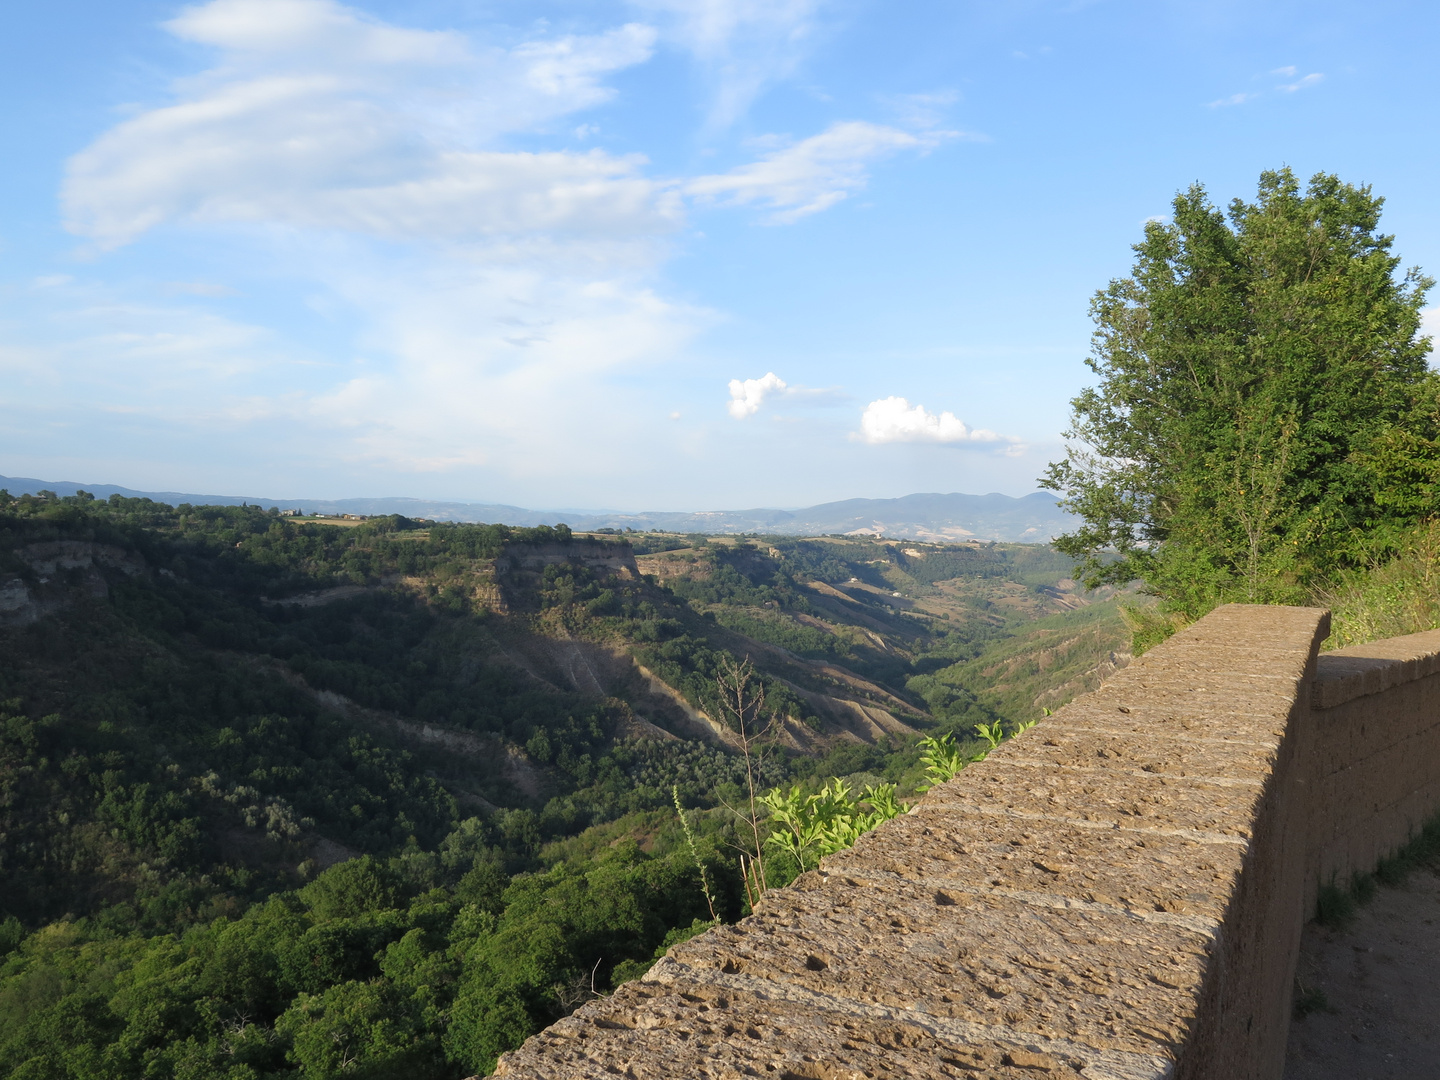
x,y
1149,625
1400,596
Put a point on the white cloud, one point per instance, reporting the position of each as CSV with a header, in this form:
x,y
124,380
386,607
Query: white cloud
x,y
1430,323
925,110
493,299
201,288
306,26
747,395
497,363
486,307
894,419
317,116
567,71
130,354
457,366
1286,88
744,45
814,173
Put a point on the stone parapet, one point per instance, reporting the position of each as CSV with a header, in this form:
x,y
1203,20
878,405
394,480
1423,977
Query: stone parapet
x,y
1117,895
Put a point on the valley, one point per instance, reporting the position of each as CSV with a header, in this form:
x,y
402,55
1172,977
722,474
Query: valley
x,y
425,775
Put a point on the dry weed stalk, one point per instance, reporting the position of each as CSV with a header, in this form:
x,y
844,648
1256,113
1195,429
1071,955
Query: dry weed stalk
x,y
742,704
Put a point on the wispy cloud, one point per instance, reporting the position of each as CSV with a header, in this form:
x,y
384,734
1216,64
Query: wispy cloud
x,y
1233,99
493,293
1284,88
201,288
813,174
489,303
744,46
1300,84
927,110
319,117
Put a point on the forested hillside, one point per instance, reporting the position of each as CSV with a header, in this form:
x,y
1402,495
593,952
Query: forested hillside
x,y
282,798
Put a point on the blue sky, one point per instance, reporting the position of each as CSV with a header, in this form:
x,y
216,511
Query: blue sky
x,y
654,254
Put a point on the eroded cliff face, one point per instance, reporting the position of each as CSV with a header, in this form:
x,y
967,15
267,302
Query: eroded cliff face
x,y
614,558
56,574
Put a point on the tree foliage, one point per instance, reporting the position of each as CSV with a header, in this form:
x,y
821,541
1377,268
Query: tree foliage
x,y
1264,416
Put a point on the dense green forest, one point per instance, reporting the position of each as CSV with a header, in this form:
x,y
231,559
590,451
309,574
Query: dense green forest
x,y
282,798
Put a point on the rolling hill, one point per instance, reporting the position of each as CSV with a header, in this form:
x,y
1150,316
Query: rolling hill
x,y
1034,518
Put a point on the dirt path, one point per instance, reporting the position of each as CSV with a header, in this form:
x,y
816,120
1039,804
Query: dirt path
x,y
1381,981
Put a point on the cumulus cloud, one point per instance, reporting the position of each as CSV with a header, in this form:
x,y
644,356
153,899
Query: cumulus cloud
x,y
744,45
813,174
747,395
894,419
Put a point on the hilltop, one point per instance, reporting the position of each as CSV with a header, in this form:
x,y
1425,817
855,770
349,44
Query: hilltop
x,y
1034,518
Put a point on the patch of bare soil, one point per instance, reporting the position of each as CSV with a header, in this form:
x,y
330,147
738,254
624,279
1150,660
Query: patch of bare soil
x,y
1380,977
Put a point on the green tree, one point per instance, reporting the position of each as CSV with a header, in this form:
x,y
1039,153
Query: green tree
x,y
358,1029
1257,371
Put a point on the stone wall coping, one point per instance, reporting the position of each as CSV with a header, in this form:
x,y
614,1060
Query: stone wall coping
x,y
1117,894
1114,895
1359,670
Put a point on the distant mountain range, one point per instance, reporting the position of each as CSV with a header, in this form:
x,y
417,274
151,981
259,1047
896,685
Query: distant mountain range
x,y
1034,518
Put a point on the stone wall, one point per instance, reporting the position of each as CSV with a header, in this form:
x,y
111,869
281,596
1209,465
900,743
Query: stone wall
x,y
1117,894
1375,753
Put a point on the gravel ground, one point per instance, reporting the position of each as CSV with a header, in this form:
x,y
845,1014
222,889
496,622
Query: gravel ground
x,y
1380,977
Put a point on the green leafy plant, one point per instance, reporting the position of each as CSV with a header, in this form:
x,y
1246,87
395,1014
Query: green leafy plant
x,y
993,735
884,805
807,827
944,760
